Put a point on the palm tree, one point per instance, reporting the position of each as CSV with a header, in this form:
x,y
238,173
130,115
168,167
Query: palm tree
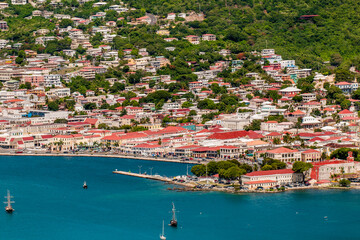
x,y
58,145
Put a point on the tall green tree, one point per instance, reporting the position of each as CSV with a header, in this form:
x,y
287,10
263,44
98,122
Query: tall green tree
x,y
302,167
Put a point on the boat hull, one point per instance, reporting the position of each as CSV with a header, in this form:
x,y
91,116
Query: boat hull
x,y
9,210
173,223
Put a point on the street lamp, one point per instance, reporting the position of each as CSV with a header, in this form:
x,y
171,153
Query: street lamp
x,y
140,169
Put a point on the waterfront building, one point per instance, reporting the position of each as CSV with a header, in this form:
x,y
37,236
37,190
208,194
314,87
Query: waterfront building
x,y
333,169
271,178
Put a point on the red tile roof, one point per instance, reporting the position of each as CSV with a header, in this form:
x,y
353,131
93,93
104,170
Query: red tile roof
x,y
345,111
282,150
270,172
28,138
274,134
46,136
342,83
91,121
188,147
297,112
235,134
316,139
205,149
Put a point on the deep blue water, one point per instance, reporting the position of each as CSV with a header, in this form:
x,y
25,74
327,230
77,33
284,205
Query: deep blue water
x,y
51,204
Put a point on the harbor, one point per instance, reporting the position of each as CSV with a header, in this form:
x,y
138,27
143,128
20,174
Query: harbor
x,y
134,208
189,183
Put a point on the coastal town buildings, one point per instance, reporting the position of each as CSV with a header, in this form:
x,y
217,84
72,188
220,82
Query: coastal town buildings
x,y
90,85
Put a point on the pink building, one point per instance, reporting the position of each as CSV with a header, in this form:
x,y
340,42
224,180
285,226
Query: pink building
x,y
37,80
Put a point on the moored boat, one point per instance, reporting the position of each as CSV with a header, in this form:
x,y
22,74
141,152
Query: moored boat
x,y
162,235
9,208
173,221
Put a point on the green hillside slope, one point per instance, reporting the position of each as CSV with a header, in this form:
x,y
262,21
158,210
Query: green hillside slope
x,y
276,24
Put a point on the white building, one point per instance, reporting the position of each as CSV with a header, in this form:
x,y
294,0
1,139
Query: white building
x,y
284,154
4,5
52,80
266,52
3,43
59,92
18,2
287,64
267,179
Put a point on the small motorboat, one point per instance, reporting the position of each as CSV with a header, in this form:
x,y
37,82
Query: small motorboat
x,y
85,185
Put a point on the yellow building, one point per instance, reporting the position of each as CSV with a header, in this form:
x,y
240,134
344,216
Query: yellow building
x,y
163,32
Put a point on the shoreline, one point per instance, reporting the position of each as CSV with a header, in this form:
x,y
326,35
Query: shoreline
x,y
191,186
100,155
185,186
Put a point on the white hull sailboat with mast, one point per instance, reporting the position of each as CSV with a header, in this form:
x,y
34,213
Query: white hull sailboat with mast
x,y
162,235
9,208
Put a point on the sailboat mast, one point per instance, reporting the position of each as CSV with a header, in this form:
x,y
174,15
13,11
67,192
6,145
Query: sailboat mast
x,y
8,198
163,229
173,212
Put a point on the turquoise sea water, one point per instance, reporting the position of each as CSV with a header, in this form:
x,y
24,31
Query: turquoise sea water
x,y
51,204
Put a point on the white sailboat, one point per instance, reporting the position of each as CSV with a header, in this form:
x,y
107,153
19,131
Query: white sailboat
x,y
162,236
9,208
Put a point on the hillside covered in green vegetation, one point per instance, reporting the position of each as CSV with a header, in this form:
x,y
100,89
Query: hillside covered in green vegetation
x,y
330,33
275,24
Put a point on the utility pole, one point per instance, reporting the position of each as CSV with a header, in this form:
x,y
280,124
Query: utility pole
x,y
140,169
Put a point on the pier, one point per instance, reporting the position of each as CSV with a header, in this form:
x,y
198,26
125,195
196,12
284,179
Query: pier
x,y
153,177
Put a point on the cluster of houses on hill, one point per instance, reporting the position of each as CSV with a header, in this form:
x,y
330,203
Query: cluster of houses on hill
x,y
288,129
